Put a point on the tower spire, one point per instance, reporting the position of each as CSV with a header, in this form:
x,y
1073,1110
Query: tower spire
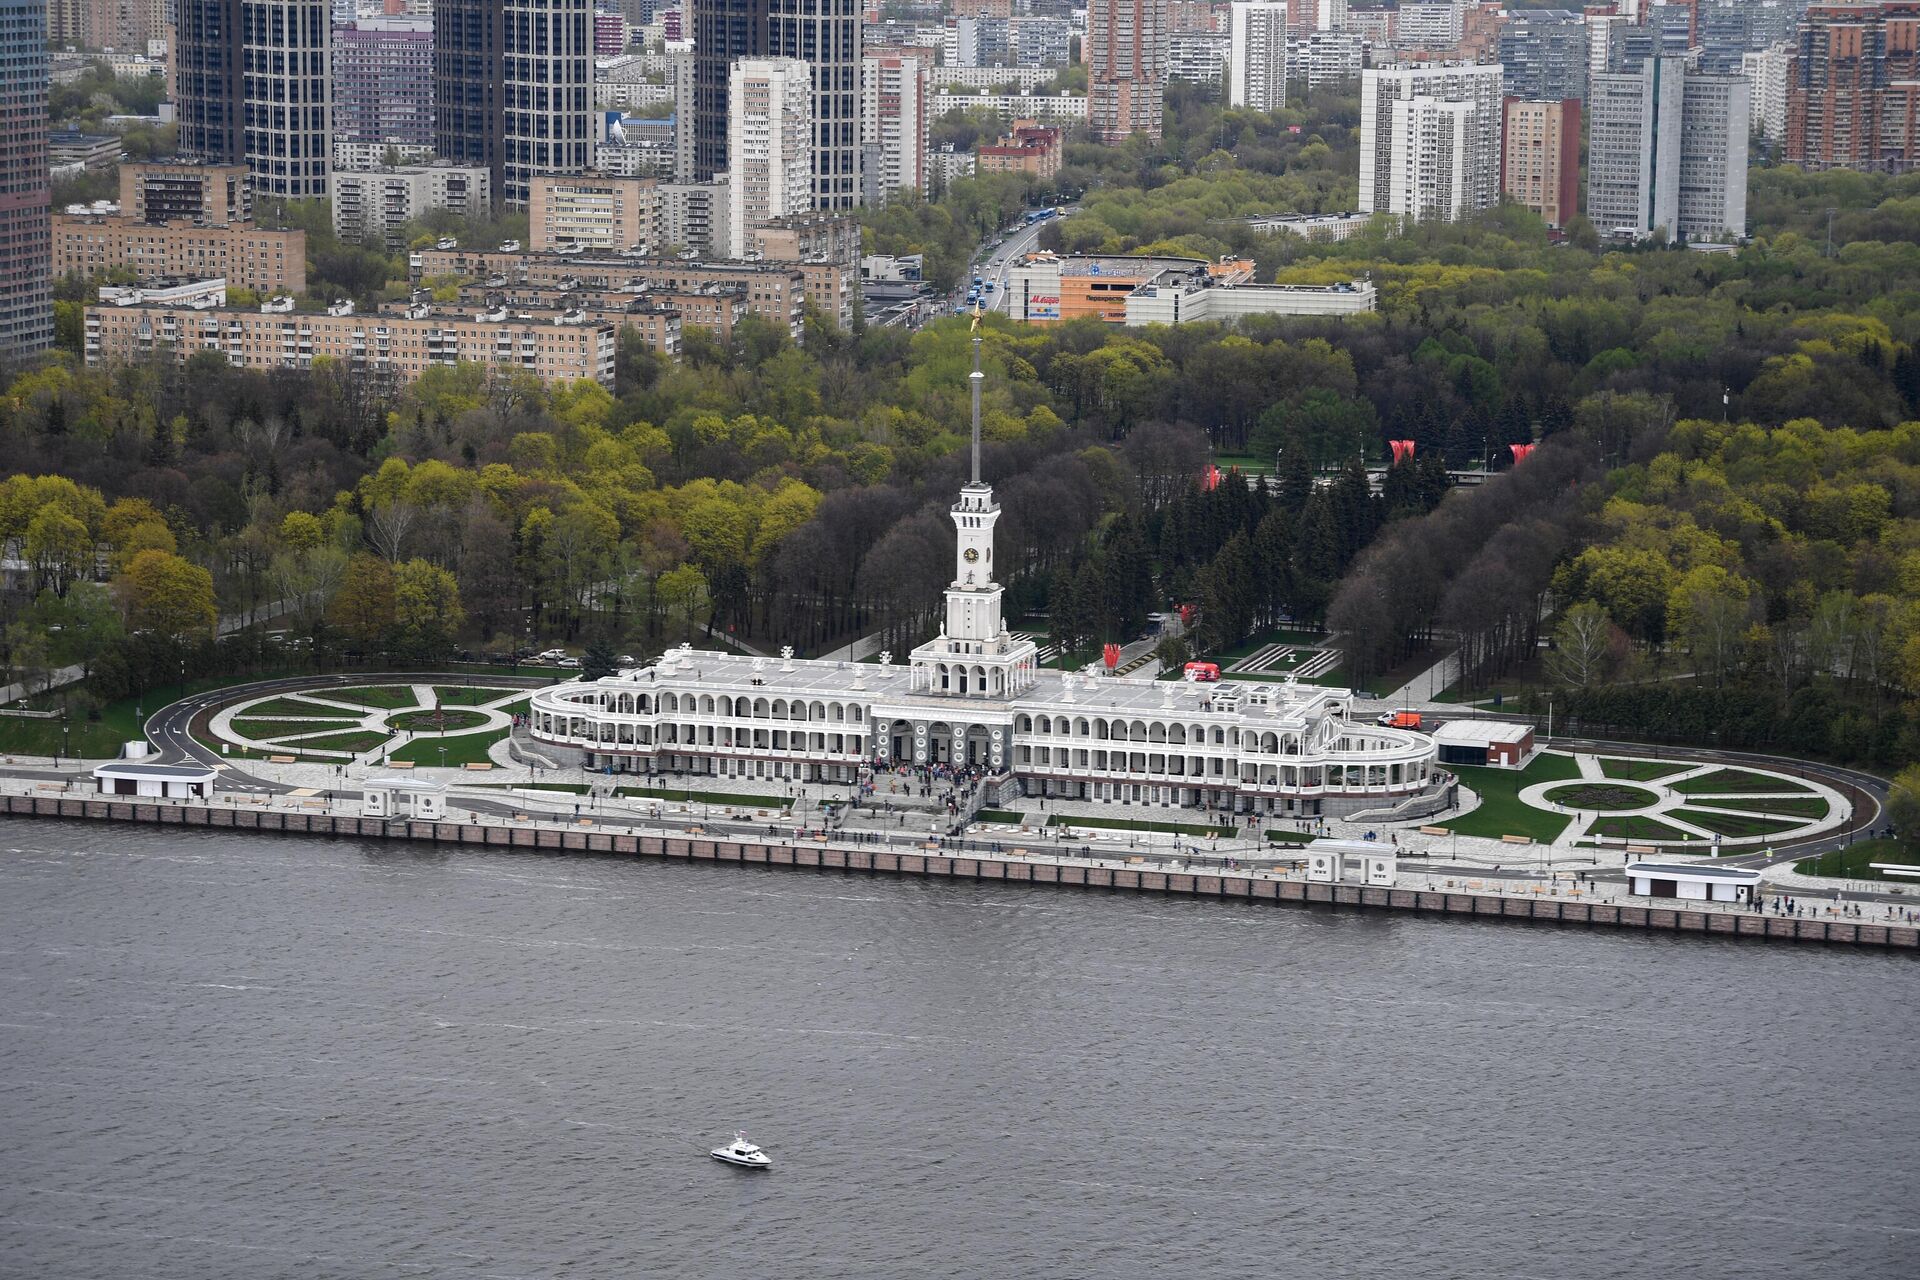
x,y
976,378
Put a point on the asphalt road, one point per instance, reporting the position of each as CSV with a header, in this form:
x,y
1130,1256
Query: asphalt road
x,y
998,263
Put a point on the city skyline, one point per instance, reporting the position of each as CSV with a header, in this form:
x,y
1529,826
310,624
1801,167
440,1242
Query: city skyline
x,y
293,89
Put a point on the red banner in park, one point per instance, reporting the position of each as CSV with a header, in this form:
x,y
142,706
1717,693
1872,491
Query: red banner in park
x,y
1520,452
1111,655
1402,450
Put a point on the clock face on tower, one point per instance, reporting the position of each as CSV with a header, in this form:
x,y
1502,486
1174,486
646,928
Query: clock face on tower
x,y
972,554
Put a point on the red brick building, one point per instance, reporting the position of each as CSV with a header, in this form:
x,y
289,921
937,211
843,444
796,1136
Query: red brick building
x,y
1850,87
1029,147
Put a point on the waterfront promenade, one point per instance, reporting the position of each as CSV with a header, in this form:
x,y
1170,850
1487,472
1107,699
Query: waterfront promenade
x,y
740,835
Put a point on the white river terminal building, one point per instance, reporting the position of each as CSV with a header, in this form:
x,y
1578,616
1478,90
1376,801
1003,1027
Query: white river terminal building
x,y
976,696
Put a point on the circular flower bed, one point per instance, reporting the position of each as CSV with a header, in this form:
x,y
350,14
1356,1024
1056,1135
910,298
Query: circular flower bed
x,y
447,719
1602,795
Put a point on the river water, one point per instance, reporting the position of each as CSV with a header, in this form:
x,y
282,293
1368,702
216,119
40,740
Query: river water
x,y
233,1056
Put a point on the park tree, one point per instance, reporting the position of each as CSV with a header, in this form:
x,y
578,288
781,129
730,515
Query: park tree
x,y
302,531
59,547
1632,585
426,606
168,596
1586,646
684,591
388,508
1073,607
1903,806
28,655
598,659
363,605
80,627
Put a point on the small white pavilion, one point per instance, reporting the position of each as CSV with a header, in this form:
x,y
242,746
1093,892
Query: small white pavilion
x,y
163,781
403,798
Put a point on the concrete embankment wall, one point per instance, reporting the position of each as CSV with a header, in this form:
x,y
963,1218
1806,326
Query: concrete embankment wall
x,y
1028,869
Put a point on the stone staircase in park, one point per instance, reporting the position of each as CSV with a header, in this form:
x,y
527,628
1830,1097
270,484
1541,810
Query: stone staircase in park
x,y
1048,650
1272,660
1422,805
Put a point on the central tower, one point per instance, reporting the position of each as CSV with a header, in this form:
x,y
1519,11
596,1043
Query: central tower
x,y
974,655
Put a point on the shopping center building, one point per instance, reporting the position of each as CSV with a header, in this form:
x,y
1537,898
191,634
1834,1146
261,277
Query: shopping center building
x,y
976,695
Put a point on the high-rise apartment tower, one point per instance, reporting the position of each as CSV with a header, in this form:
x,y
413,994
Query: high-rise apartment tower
x,y
1126,56
26,230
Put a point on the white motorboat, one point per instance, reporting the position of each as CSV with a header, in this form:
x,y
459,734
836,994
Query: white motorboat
x,y
742,1153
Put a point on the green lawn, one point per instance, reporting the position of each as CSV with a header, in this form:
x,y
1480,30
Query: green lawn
x,y
1602,795
1852,862
1005,816
268,730
467,695
1500,812
118,725
92,739
362,740
391,697
1288,837
1136,824
103,738
1075,661
1722,781
1636,828
1640,770
295,707
462,748
1734,824
1808,807
445,720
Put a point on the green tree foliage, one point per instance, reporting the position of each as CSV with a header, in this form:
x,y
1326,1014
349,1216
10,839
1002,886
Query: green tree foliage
x,y
167,596
1765,566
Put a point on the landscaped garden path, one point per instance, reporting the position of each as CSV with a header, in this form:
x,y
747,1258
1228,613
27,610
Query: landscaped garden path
x,y
409,723
1684,804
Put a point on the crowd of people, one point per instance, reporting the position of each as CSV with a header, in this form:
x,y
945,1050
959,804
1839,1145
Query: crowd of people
x,y
955,786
